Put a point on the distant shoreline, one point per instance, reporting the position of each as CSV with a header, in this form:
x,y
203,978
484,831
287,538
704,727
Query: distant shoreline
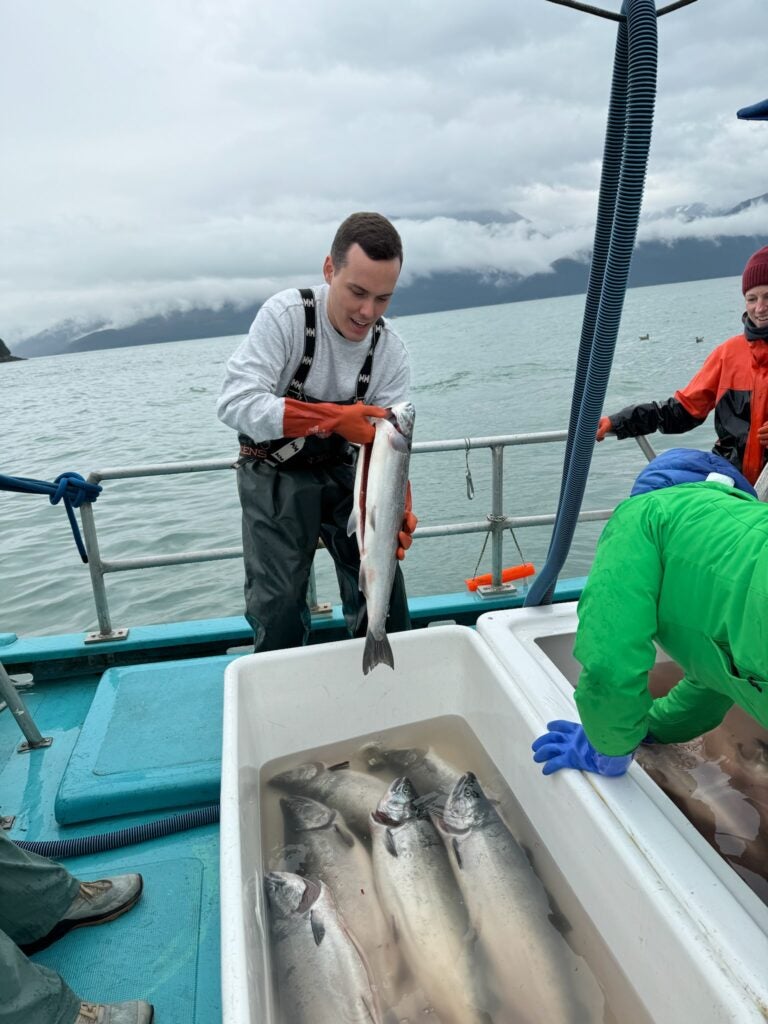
x,y
654,263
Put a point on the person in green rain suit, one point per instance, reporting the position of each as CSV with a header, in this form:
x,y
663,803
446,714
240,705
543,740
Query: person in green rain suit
x,y
684,564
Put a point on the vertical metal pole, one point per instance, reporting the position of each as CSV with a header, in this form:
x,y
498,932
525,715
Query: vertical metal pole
x,y
312,588
315,608
497,513
18,710
645,448
95,567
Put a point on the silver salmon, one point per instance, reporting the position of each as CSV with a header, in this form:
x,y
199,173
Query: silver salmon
x,y
381,481
320,844
432,776
322,976
720,782
417,889
536,976
354,794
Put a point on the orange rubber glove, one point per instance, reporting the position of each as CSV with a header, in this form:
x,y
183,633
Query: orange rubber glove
x,y
409,525
603,427
302,419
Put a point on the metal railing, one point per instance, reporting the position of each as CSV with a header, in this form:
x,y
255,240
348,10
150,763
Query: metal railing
x,y
495,523
17,707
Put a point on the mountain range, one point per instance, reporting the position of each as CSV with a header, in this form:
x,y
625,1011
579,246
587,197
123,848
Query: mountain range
x,y
687,259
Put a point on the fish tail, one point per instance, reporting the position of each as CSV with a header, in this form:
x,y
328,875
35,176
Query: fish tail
x,y
377,652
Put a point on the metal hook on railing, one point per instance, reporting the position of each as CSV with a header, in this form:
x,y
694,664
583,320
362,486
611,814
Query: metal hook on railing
x,y
468,474
517,545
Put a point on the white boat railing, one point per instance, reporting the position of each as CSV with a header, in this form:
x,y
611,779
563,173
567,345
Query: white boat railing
x,y
495,522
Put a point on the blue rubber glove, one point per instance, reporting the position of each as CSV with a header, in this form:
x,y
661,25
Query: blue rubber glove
x,y
566,746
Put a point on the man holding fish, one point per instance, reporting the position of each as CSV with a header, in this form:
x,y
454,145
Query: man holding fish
x,y
683,563
319,367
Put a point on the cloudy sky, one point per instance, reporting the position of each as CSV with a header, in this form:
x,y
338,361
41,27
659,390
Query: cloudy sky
x,y
162,154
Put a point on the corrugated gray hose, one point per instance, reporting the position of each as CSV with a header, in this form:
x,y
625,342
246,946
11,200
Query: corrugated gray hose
x,y
625,160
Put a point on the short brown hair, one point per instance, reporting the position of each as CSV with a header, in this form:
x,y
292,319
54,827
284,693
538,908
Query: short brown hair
x,y
375,235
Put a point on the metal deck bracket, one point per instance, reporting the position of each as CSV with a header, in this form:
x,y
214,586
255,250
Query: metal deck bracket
x,y
104,638
323,608
488,590
25,747
23,681
7,822
19,711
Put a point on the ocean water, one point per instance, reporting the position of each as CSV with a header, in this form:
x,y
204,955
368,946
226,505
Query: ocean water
x,y
476,372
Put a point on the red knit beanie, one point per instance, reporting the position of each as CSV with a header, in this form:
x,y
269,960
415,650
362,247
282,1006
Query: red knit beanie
x,y
756,270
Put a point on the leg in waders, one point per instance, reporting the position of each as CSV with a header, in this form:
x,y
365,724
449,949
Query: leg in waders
x,y
40,902
281,525
287,511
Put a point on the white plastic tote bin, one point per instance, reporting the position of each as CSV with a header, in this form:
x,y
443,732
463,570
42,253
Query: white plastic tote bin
x,y
689,947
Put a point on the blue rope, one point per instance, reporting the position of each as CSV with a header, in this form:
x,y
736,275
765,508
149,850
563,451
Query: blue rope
x,y
71,488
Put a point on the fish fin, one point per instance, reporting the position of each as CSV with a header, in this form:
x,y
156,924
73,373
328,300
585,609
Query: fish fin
x,y
318,928
346,837
377,652
558,920
528,855
373,1016
457,854
399,442
362,580
555,916
356,521
371,515
352,522
373,755
389,843
434,803
395,932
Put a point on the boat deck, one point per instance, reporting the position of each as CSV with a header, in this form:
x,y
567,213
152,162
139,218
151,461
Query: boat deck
x,y
166,950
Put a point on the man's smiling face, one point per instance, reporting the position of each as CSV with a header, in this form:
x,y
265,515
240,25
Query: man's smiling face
x,y
359,292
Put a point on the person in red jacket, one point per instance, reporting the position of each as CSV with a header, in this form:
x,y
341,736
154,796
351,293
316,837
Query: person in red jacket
x,y
733,381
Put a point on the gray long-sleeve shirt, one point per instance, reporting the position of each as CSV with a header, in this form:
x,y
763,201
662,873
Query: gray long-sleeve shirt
x,y
261,368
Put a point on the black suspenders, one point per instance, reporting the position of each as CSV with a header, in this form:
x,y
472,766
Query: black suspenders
x,y
296,387
278,451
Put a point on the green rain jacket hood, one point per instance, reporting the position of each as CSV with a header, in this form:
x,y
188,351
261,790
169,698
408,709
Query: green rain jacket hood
x,y
687,567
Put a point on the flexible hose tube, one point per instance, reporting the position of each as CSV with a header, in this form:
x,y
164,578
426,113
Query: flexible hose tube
x,y
60,848
630,122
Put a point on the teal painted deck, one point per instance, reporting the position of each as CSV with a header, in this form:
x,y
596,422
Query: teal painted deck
x,y
214,636
127,760
166,949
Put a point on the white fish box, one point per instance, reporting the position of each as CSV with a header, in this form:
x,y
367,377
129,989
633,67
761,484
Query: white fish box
x,y
691,947
721,964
